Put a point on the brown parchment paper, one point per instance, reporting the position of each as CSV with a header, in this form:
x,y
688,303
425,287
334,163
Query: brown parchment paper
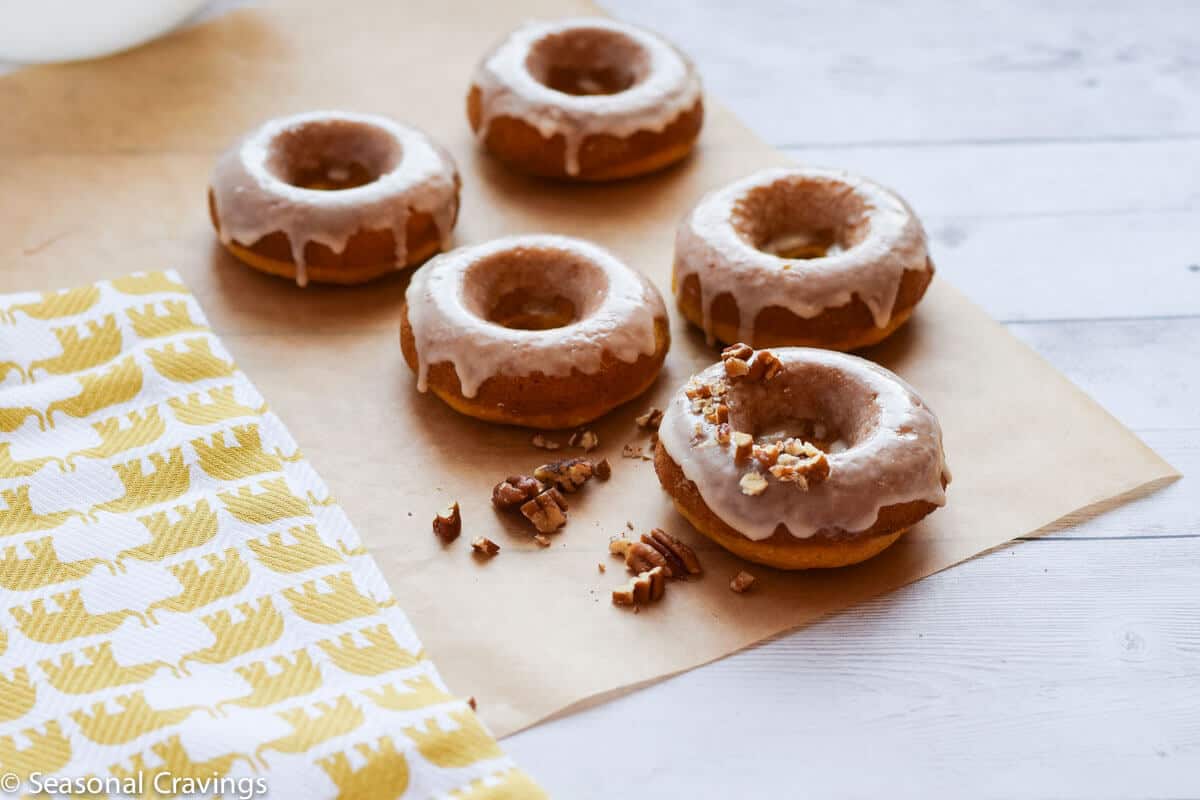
x,y
104,166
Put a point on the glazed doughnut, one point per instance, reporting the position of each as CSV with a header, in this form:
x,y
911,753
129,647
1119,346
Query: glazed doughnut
x,y
588,99
800,256
799,458
540,331
334,197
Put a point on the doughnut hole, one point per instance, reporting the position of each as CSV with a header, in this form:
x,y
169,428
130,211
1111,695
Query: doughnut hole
x,y
588,61
332,155
534,289
816,404
799,218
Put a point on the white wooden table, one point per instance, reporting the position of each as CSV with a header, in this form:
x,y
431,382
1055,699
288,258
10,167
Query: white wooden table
x,y
1053,151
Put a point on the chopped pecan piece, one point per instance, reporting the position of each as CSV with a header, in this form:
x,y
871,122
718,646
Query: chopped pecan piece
x,y
744,444
484,546
650,420
541,540
801,463
641,557
765,366
546,511
514,490
741,582
448,523
753,484
736,368
644,588
568,474
741,350
697,390
601,568
602,469
631,450
724,433
680,557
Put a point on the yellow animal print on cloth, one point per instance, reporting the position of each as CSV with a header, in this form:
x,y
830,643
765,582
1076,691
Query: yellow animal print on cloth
x,y
383,775
173,760
122,433
216,595
274,501
328,720
42,568
306,552
151,322
168,479
102,343
261,625
119,383
21,469
292,677
196,526
381,653
512,784
194,362
55,305
17,694
421,693
215,405
135,719
48,751
17,516
230,463
71,676
147,283
72,620
342,601
12,418
223,577
458,747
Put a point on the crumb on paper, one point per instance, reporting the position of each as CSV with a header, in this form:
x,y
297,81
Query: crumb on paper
x,y
602,469
568,474
585,438
539,440
631,450
650,420
484,546
471,702
741,582
541,540
601,568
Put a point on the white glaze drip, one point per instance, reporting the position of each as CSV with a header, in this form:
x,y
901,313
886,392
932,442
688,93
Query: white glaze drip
x,y
252,201
667,87
894,456
449,298
889,241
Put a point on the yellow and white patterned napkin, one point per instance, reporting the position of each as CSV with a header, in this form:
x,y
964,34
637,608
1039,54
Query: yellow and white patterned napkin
x,y
181,601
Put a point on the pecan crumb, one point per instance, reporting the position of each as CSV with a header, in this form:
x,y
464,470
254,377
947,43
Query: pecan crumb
x,y
484,546
514,490
736,368
585,439
643,588
601,568
801,463
447,524
619,546
568,474
471,702
740,350
753,484
741,582
650,420
539,440
602,469
631,451
546,511
541,540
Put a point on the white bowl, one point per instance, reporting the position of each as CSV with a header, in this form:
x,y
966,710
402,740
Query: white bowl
x,y
66,30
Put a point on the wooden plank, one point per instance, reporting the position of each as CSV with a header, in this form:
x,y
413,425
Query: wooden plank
x,y
1041,670
936,70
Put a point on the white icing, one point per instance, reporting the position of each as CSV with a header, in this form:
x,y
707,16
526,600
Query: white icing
x,y
889,450
885,240
252,200
666,86
449,299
